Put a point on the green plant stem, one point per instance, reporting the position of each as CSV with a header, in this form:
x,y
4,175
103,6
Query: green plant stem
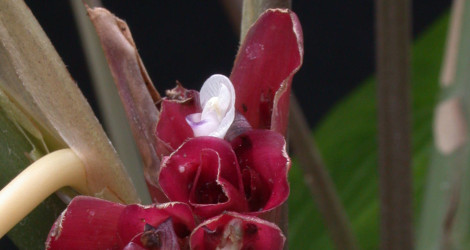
x,y
393,65
253,8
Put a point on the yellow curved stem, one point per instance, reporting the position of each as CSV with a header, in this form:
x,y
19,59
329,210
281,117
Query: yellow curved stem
x,y
32,186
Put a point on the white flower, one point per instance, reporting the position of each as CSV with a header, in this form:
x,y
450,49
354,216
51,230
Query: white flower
x,y
217,97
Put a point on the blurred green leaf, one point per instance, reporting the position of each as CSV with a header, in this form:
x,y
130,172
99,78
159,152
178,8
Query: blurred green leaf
x,y
446,208
348,142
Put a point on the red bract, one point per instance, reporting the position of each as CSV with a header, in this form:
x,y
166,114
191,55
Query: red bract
x,y
268,58
270,54
91,223
204,172
235,231
250,175
264,165
245,173
172,129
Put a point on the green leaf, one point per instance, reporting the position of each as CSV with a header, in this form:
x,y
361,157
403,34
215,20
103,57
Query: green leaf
x,y
34,76
42,109
18,145
348,142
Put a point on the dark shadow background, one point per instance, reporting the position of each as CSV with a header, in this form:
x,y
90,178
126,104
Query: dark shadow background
x,y
192,39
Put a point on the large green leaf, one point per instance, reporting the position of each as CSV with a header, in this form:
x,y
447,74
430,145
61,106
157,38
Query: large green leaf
x,y
348,142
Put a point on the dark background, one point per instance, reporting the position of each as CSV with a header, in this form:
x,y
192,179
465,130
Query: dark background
x,y
193,39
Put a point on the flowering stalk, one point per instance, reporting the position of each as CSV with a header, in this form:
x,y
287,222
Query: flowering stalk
x,y
41,179
221,149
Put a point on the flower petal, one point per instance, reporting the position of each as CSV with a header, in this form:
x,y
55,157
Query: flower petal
x,y
217,98
236,231
270,54
204,173
218,85
264,164
202,127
